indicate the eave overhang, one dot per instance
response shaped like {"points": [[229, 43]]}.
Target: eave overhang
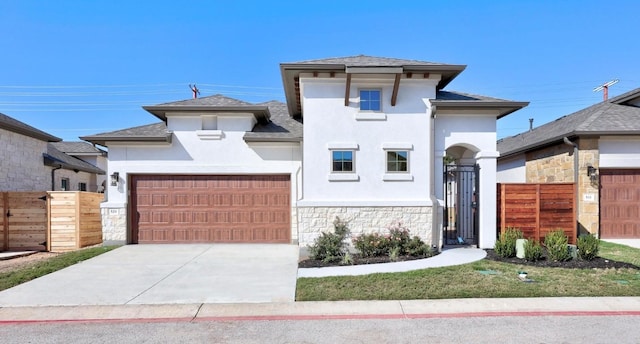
{"points": [[504, 108], [102, 140], [260, 112]]}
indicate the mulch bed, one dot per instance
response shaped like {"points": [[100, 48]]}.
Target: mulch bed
{"points": [[597, 263], [356, 259]]}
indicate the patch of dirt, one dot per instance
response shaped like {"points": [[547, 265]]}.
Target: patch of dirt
{"points": [[18, 263], [356, 260], [597, 263]]}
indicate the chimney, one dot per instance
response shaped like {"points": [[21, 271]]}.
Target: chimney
{"points": [[530, 124], [195, 90]]}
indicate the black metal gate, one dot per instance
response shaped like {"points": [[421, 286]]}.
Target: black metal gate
{"points": [[461, 187]]}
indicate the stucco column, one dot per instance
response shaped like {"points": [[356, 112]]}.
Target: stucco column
{"points": [[487, 207]]}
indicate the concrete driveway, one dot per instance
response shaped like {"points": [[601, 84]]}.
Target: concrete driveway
{"points": [[168, 274]]}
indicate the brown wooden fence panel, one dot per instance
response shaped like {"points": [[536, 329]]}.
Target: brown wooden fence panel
{"points": [[75, 220], [24, 220], [537, 209], [90, 230]]}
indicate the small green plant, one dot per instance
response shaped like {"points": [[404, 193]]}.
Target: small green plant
{"points": [[532, 250], [506, 245], [398, 237], [557, 246], [417, 248], [588, 247], [394, 253], [347, 259], [330, 247]]}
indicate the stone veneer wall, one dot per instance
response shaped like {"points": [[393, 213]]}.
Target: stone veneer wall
{"points": [[315, 220], [589, 196], [114, 225], [555, 165], [22, 167]]}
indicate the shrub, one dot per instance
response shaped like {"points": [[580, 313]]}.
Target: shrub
{"points": [[588, 247], [557, 246], [532, 250], [506, 246], [371, 245], [417, 248], [398, 237], [330, 247], [394, 253]]}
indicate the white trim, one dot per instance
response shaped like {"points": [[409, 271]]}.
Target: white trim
{"points": [[371, 116], [113, 205], [366, 203], [487, 155], [342, 146], [399, 176], [209, 134], [343, 177], [374, 70], [397, 146]]}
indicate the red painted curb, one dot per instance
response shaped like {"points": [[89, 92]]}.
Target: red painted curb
{"points": [[331, 317]]}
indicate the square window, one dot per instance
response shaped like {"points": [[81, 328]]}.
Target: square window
{"points": [[82, 186], [370, 100], [397, 161], [342, 161], [64, 184]]}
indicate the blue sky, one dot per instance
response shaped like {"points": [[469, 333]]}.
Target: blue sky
{"points": [[75, 68]]}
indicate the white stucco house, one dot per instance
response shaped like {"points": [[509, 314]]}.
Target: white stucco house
{"points": [[371, 151]]}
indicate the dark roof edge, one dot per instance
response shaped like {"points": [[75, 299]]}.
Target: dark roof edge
{"points": [[512, 106], [102, 140], [31, 132], [261, 112], [49, 160]]}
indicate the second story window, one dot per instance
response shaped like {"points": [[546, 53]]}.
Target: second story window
{"points": [[342, 161], [370, 100]]}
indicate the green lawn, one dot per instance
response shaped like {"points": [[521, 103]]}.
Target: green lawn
{"points": [[484, 278], [13, 278]]}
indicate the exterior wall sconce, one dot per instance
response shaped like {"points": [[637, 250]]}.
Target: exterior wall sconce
{"points": [[115, 177], [592, 173]]}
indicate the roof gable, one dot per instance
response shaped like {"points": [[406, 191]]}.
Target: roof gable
{"points": [[610, 117], [13, 125], [215, 103], [56, 158]]}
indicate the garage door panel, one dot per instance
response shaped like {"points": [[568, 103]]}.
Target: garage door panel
{"points": [[620, 203], [211, 209]]}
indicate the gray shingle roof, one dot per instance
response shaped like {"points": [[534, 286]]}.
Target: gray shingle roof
{"points": [[459, 100], [156, 132], [79, 147], [214, 100], [611, 117], [281, 128], [12, 124], [212, 103], [54, 157], [368, 61]]}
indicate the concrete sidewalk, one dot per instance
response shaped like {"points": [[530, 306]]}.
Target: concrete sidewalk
{"points": [[563, 306]]}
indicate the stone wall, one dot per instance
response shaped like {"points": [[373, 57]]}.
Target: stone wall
{"points": [[114, 225], [22, 167], [555, 165], [315, 220]]}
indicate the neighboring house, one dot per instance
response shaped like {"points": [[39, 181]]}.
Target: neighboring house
{"points": [[30, 161], [90, 154], [376, 132], [601, 146]]}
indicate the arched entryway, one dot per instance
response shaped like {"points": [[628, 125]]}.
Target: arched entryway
{"points": [[461, 196]]}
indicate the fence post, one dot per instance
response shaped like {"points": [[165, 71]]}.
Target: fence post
{"points": [[538, 211], [5, 221]]}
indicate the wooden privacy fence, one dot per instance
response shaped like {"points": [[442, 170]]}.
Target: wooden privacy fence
{"points": [[55, 221], [537, 209]]}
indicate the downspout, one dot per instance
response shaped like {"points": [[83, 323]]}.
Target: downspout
{"points": [[432, 182], [576, 163], [53, 179]]}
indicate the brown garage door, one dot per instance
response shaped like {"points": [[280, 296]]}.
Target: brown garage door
{"points": [[620, 204], [197, 209]]}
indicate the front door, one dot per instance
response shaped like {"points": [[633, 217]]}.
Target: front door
{"points": [[461, 187]]}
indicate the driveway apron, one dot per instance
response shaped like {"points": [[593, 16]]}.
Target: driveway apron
{"points": [[168, 274]]}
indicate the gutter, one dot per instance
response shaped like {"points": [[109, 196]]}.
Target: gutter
{"points": [[576, 163], [53, 179], [432, 181]]}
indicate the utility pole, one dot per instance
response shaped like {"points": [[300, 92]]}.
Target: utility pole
{"points": [[195, 90], [605, 88]]}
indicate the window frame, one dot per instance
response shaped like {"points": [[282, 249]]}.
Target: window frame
{"points": [[396, 161], [379, 90], [65, 184], [82, 186], [333, 162]]}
